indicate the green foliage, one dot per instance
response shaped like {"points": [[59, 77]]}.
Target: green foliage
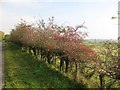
{"points": [[7, 37]]}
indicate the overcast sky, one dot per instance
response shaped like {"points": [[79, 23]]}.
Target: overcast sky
{"points": [[96, 14]]}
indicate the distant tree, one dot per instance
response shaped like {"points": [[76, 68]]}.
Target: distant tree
{"points": [[7, 38], [1, 35]]}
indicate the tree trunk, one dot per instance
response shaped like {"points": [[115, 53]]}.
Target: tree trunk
{"points": [[71, 65], [34, 51], [48, 58], [66, 69], [41, 53], [55, 60], [101, 77], [75, 74], [61, 64]]}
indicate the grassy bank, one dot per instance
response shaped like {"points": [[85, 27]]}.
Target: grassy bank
{"points": [[22, 71]]}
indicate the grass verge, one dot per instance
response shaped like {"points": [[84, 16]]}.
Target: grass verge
{"points": [[22, 71]]}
